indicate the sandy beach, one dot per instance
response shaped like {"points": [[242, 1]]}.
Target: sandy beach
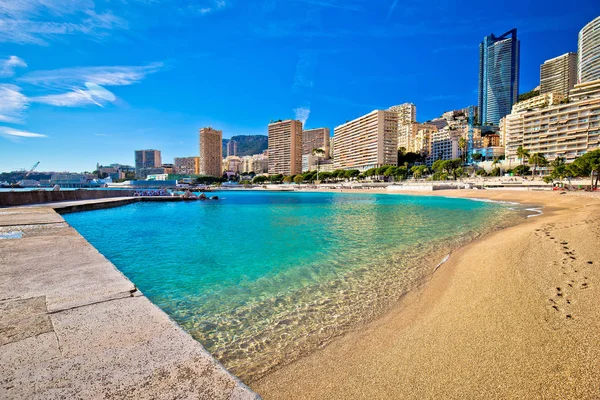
{"points": [[512, 315]]}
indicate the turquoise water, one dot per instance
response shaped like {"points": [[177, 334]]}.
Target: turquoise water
{"points": [[261, 278]]}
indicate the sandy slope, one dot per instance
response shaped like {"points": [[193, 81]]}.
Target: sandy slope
{"points": [[515, 314]]}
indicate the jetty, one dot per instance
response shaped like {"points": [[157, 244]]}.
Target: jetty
{"points": [[73, 326]]}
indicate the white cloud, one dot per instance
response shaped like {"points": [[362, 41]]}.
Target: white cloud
{"points": [[6, 131], [94, 94], [107, 76], [214, 5], [301, 114], [8, 66], [12, 104], [35, 21]]}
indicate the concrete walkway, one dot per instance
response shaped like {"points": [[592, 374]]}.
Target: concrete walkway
{"points": [[73, 327]]}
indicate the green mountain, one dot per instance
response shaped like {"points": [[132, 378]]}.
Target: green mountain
{"points": [[247, 145]]}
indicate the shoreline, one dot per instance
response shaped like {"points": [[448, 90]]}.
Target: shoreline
{"points": [[358, 364]]}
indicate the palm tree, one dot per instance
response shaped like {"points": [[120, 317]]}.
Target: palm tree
{"points": [[318, 153], [495, 163], [462, 145], [522, 153], [537, 159]]}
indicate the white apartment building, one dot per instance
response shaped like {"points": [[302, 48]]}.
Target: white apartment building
{"points": [[565, 130], [367, 142]]}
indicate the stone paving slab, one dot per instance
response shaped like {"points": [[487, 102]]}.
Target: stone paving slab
{"points": [[72, 327]]}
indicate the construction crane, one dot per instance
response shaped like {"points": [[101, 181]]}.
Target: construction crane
{"points": [[27, 174]]}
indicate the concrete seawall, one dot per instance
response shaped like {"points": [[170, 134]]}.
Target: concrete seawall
{"points": [[73, 326], [21, 198]]}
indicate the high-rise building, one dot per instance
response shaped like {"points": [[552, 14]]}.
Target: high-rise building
{"points": [[147, 162], [367, 142], [559, 74], [563, 130], [285, 147], [147, 159], [588, 52], [211, 151], [317, 138], [407, 113], [498, 76], [231, 148]]}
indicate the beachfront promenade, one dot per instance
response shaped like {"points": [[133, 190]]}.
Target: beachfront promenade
{"points": [[72, 326]]}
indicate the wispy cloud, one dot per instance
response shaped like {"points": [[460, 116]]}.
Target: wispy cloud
{"points": [[36, 21], [210, 7], [8, 66], [302, 114], [392, 7], [94, 94], [13, 104], [15, 133], [106, 76], [305, 68]]}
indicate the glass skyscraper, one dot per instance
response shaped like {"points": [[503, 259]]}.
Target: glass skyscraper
{"points": [[498, 76]]}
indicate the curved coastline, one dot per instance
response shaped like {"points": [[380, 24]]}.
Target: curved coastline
{"points": [[477, 328]]}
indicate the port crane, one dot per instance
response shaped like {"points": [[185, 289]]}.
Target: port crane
{"points": [[28, 173]]}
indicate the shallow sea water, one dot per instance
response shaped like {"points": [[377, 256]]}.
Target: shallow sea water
{"points": [[261, 278]]}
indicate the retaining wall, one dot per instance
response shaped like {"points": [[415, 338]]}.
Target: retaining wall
{"points": [[20, 198]]}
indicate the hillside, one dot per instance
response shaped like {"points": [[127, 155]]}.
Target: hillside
{"points": [[247, 145]]}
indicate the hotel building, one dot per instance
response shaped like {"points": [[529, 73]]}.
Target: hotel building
{"points": [[285, 147], [211, 152], [564, 130], [367, 142], [498, 76], [588, 52], [559, 74], [315, 139]]}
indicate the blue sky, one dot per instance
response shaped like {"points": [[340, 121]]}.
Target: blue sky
{"points": [[86, 81]]}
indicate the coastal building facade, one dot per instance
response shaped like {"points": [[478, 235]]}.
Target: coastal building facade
{"points": [[498, 76], [588, 52], [257, 163], [317, 138], [367, 142], [564, 130], [186, 165], [285, 147], [147, 162], [543, 100], [211, 152], [559, 74], [231, 148]]}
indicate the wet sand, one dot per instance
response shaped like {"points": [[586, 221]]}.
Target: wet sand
{"points": [[514, 314]]}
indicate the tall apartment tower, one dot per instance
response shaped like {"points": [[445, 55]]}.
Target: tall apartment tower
{"points": [[559, 74], [211, 152], [317, 138], [588, 52], [147, 159], [407, 113], [285, 147], [231, 148], [367, 142], [498, 76]]}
